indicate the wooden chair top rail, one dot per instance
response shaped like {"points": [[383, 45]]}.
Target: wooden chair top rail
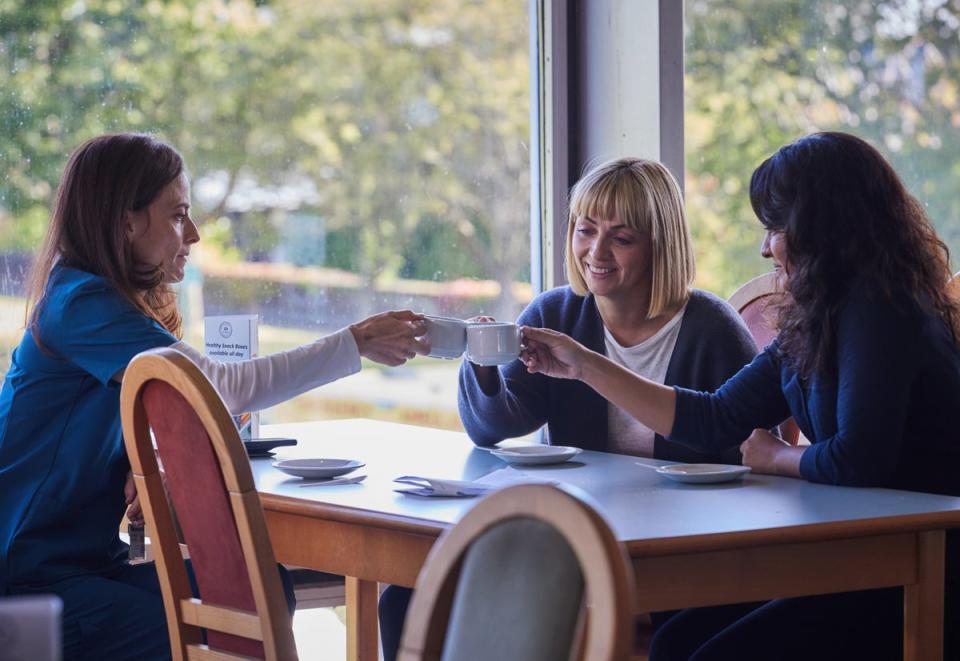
{"points": [[608, 576], [765, 284]]}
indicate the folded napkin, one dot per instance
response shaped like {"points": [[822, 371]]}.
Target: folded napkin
{"points": [[498, 479], [430, 486]]}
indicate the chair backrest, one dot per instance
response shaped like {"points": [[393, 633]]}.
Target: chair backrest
{"points": [[756, 302], [955, 285], [531, 572], [210, 487]]}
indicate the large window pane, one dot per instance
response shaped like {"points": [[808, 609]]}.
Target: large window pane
{"points": [[760, 74], [345, 158]]}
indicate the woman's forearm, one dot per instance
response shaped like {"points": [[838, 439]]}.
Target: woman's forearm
{"points": [[258, 383], [653, 404]]}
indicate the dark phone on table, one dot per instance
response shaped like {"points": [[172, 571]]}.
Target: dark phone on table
{"points": [[263, 446]]}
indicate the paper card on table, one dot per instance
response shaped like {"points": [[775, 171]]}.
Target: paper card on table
{"points": [[429, 486], [498, 479], [507, 477], [230, 338]]}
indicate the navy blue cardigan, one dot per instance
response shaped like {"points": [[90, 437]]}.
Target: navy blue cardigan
{"points": [[713, 343], [889, 419]]}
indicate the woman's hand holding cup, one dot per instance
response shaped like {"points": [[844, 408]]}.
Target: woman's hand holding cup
{"points": [[550, 352], [391, 338]]}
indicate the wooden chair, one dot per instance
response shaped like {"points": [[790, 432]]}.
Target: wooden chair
{"points": [[756, 302], [531, 572], [210, 487], [955, 285]]}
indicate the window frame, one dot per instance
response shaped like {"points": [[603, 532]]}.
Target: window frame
{"points": [[575, 44]]}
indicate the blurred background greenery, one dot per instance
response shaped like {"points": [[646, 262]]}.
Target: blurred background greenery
{"points": [[346, 157], [760, 74]]}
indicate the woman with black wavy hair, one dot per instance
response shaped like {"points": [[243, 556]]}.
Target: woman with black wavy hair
{"points": [[867, 362]]}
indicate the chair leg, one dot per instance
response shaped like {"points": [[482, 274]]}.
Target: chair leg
{"points": [[644, 633]]}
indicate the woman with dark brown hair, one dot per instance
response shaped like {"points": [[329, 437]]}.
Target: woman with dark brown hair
{"points": [[119, 236], [867, 362]]}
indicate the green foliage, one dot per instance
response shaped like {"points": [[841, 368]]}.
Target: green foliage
{"points": [[433, 254], [343, 246], [760, 74], [394, 110], [410, 117], [23, 232]]}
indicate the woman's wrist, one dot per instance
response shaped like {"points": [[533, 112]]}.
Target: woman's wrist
{"points": [[590, 367], [787, 461], [359, 334]]}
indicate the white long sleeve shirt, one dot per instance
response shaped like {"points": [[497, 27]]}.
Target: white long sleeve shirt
{"points": [[262, 382]]}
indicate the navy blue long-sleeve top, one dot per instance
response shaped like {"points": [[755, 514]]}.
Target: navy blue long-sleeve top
{"points": [[889, 418]]}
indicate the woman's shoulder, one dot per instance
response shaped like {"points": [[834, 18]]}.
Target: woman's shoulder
{"points": [[68, 282], [560, 300], [709, 307], [562, 309], [72, 289], [557, 296], [893, 313], [712, 324], [866, 302]]}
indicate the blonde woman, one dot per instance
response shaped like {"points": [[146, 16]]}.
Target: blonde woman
{"points": [[630, 264]]}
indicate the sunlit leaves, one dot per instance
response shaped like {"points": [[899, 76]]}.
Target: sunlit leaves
{"points": [[761, 74], [398, 111]]}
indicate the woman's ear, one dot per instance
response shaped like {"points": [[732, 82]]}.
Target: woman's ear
{"points": [[132, 224]]}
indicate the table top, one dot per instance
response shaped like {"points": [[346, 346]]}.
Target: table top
{"points": [[645, 509]]}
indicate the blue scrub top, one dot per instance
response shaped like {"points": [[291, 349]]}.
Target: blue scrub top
{"points": [[62, 460]]}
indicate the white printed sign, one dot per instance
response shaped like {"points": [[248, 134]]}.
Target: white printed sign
{"points": [[229, 338]]}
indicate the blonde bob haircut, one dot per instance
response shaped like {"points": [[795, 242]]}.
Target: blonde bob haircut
{"points": [[646, 198]]}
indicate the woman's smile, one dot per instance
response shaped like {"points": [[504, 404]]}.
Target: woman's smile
{"points": [[599, 271]]}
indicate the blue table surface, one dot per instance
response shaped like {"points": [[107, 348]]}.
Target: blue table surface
{"points": [[639, 503]]}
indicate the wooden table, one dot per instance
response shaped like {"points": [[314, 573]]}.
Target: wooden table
{"points": [[691, 545]]}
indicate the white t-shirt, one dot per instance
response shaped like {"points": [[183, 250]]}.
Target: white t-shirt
{"points": [[650, 358]]}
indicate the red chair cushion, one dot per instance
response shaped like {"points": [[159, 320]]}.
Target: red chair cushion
{"points": [[199, 496]]}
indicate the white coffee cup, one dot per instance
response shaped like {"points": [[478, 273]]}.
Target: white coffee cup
{"points": [[493, 343], [447, 336]]}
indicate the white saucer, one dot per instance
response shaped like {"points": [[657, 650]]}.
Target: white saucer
{"points": [[536, 454], [314, 468], [703, 473]]}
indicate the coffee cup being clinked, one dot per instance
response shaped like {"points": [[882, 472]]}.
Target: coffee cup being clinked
{"points": [[485, 342], [447, 336], [493, 343]]}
